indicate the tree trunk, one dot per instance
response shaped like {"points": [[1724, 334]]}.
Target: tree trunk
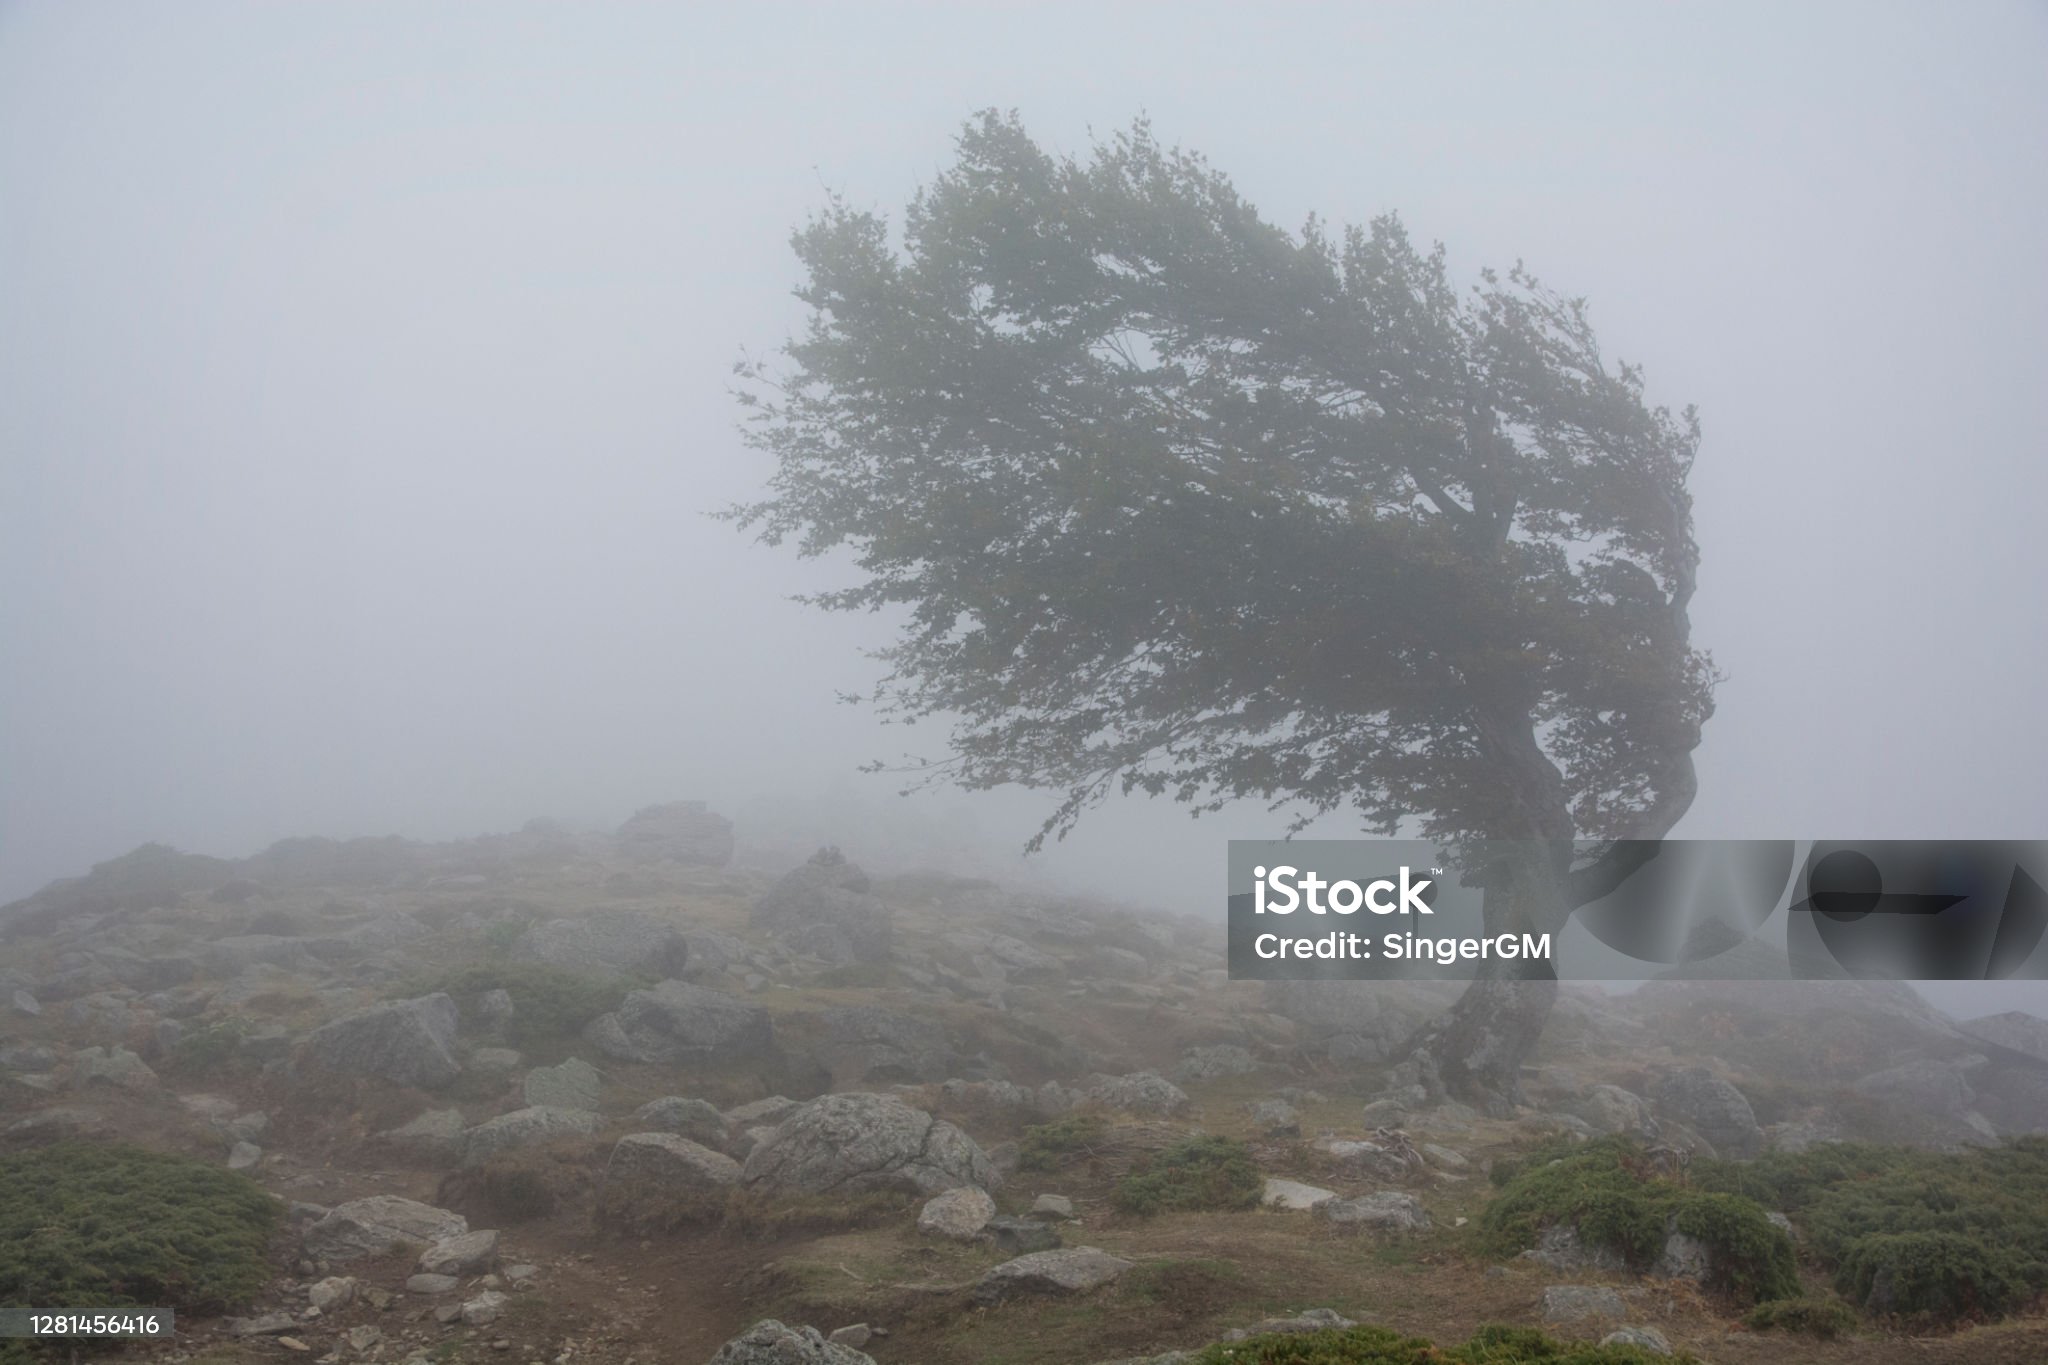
{"points": [[1474, 1051]]}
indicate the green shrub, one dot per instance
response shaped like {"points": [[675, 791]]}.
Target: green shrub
{"points": [[1607, 1192], [548, 1003], [1206, 1172], [1378, 1346], [1049, 1146], [1823, 1318], [1913, 1232], [210, 1051], [90, 1225]]}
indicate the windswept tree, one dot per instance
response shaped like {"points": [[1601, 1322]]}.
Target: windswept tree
{"points": [[1172, 500]]}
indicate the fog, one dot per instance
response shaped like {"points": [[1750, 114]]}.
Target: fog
{"points": [[363, 388]]}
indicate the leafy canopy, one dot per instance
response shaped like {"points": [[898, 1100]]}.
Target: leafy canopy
{"points": [[1176, 501]]}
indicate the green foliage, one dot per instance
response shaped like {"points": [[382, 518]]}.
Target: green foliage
{"points": [[1823, 1318], [1170, 499], [1607, 1192], [1907, 1231], [211, 1050], [1379, 1346], [1049, 1146], [91, 1224], [1206, 1172], [548, 1003]]}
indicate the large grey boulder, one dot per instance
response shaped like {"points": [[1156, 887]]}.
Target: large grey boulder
{"points": [[957, 1214], [464, 1253], [607, 942], [526, 1128], [407, 1042], [373, 1225], [680, 1022], [1711, 1107], [433, 1137], [824, 908], [862, 1044], [1610, 1109], [1070, 1270], [697, 1120], [769, 1342], [1923, 1089], [1217, 1060], [671, 1162], [1141, 1092], [1389, 1211], [679, 831], [855, 1142]]}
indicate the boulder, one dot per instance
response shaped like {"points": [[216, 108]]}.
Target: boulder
{"points": [[1577, 1302], [959, 1214], [680, 831], [1211, 1063], [1711, 1107], [697, 1120], [372, 1226], [1016, 1236], [823, 908], [678, 1022], [1276, 1119], [671, 1162], [1292, 1194], [526, 1128], [1071, 1270], [1610, 1109], [432, 1138], [608, 943], [862, 1044], [857, 1141], [407, 1042], [1642, 1338], [573, 1084], [769, 1342]]}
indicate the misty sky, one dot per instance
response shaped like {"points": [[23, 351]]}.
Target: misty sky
{"points": [[363, 382]]}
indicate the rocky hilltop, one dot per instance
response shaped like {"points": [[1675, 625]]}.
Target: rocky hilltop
{"points": [[575, 1095]]}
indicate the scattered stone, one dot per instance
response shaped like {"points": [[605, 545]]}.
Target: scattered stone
{"points": [[1560, 1247], [1072, 1270], [1141, 1092], [1212, 1063], [485, 1309], [336, 1291], [1388, 1211], [1292, 1194], [434, 1137], [1577, 1302], [25, 1003], [293, 1344], [854, 1336], [374, 1225], [1313, 1320], [1711, 1107], [959, 1214], [496, 1061], [761, 1113], [115, 1066], [824, 908], [1052, 1206], [697, 1120], [608, 942], [263, 1325], [424, 1283], [243, 1155], [769, 1342], [1276, 1119], [680, 1022], [365, 1336], [1444, 1158]]}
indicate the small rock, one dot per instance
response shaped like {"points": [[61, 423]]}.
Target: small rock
{"points": [[959, 1214], [1052, 1206], [1387, 1211], [1647, 1338], [465, 1253], [1576, 1302], [855, 1336], [293, 1344], [336, 1291], [364, 1337], [1020, 1235], [244, 1155], [485, 1309], [1073, 1270], [1292, 1194], [424, 1283]]}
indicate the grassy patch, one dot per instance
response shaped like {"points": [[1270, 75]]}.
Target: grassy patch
{"points": [[1815, 1317], [1185, 1287], [1610, 1195], [1196, 1173], [1051, 1146]]}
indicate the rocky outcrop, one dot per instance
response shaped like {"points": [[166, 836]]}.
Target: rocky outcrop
{"points": [[680, 1022], [1070, 1270], [1141, 1092], [680, 831], [856, 1142], [824, 908], [673, 1163], [407, 1042]]}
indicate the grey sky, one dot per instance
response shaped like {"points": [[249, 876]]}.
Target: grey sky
{"points": [[362, 380]]}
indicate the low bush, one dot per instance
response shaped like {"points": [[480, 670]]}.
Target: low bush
{"points": [[212, 1050], [107, 1225], [1207, 1172], [1937, 1236], [1610, 1194], [1050, 1146], [1378, 1346]]}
